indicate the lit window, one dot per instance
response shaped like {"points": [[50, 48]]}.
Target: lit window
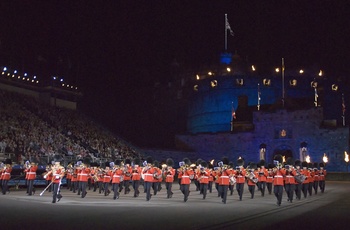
{"points": [[334, 87], [293, 82], [195, 88], [214, 83], [239, 81], [314, 84], [267, 82]]}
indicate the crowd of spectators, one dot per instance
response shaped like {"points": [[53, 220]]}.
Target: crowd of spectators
{"points": [[34, 131]]}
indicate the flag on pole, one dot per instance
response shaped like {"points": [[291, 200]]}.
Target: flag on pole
{"points": [[228, 27]]}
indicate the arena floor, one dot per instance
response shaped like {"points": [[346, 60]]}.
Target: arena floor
{"points": [[329, 210]]}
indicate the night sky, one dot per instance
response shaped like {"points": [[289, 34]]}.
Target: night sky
{"points": [[114, 51]]}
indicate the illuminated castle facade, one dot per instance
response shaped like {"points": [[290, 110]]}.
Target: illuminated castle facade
{"points": [[235, 112]]}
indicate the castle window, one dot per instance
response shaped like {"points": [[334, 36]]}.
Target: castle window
{"points": [[293, 82], [195, 88], [267, 82], [213, 83], [335, 87], [239, 81], [314, 84]]}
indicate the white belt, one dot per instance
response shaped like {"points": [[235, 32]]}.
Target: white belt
{"points": [[289, 176], [278, 176], [116, 176], [223, 176], [169, 176], [147, 174], [7, 173], [185, 176], [31, 172], [83, 174], [239, 176]]}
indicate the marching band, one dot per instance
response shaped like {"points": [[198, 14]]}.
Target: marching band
{"points": [[291, 177]]}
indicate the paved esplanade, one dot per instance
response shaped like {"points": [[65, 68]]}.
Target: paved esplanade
{"points": [[329, 210]]}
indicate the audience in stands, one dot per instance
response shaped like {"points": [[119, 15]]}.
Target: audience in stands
{"points": [[38, 132]]}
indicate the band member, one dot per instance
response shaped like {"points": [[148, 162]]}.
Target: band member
{"points": [[232, 178], [187, 174], [240, 177], [224, 179], [203, 175], [57, 175], [169, 173], [322, 177], [195, 179], [252, 179], [26, 167], [269, 178], [311, 178], [84, 177], [148, 172], [136, 176], [211, 178], [316, 177], [215, 174], [278, 174], [69, 175], [289, 182], [31, 176], [74, 179], [298, 183], [117, 175], [6, 175], [262, 177], [79, 169], [157, 176], [306, 173], [127, 177], [107, 176]]}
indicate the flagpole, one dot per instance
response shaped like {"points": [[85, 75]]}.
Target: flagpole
{"points": [[343, 109], [283, 92], [225, 32], [258, 97]]}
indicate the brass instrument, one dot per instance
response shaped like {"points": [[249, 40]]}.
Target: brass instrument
{"points": [[251, 176], [299, 178]]}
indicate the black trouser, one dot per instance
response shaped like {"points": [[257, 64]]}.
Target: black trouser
{"points": [[106, 184], [251, 189], [217, 188], [83, 185], [100, 186], [196, 182], [278, 191], [69, 184], [168, 186], [210, 186], [311, 185], [147, 185], [231, 188], [290, 188], [304, 188], [135, 186], [155, 187], [240, 190], [115, 187], [223, 192], [4, 186], [322, 185], [269, 187], [30, 187], [75, 186], [185, 189], [126, 185], [315, 186], [262, 187], [298, 191], [203, 188], [56, 193], [79, 187]]}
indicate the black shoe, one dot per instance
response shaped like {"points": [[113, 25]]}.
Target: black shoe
{"points": [[53, 201], [185, 199]]}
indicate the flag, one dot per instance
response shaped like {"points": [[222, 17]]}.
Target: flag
{"points": [[228, 27], [233, 113]]}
